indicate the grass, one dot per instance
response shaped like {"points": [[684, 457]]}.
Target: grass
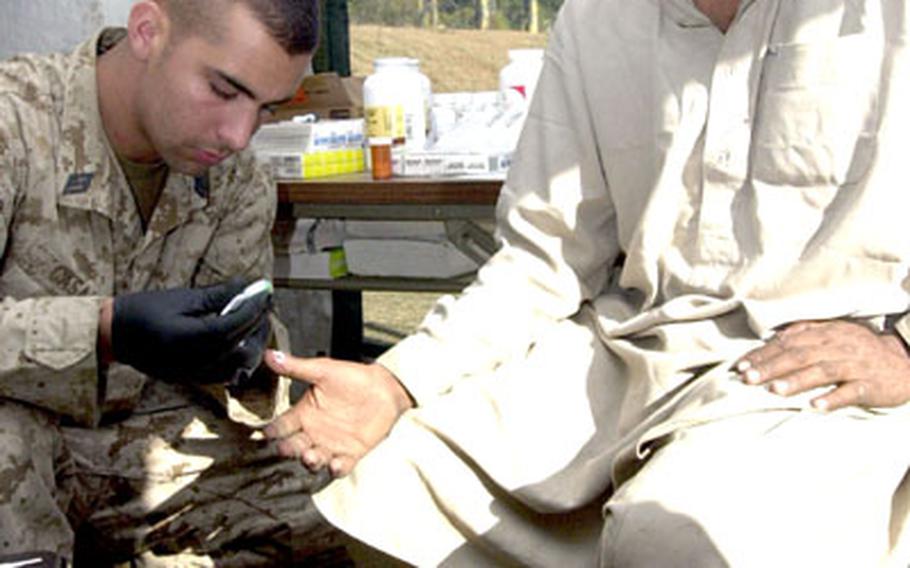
{"points": [[389, 316]]}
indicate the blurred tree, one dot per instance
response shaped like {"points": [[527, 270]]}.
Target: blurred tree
{"points": [[533, 16], [459, 13], [430, 13], [548, 11], [528, 15], [483, 14], [387, 12]]}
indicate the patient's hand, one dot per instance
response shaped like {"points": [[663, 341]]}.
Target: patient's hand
{"points": [[864, 368], [348, 409]]}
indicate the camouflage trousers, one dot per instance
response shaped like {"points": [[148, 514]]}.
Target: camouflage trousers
{"points": [[174, 484]]}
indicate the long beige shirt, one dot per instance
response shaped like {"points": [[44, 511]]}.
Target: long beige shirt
{"points": [[71, 235], [759, 171], [686, 190]]}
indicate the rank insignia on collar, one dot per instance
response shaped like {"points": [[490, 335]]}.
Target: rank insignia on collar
{"points": [[201, 186], [78, 183]]}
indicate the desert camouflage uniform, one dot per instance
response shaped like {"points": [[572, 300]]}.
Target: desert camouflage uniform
{"points": [[152, 467]]}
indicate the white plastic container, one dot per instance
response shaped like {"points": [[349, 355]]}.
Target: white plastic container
{"points": [[518, 79], [393, 100], [426, 89]]}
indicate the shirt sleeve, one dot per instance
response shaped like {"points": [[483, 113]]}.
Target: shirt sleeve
{"points": [[47, 345], [902, 327], [556, 230]]}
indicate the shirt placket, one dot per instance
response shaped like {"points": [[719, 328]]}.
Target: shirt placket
{"points": [[725, 162], [728, 136]]}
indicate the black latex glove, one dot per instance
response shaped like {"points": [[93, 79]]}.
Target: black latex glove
{"points": [[178, 334], [241, 363]]}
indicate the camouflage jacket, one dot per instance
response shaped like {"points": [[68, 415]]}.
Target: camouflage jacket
{"points": [[70, 235]]}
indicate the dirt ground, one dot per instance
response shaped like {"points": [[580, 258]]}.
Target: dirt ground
{"points": [[390, 316]]}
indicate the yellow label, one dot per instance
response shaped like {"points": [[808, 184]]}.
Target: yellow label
{"points": [[338, 264], [332, 162], [385, 121]]}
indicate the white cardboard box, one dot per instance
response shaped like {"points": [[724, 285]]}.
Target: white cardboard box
{"points": [[302, 137], [441, 164]]}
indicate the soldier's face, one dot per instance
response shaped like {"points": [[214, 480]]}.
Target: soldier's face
{"points": [[203, 99]]}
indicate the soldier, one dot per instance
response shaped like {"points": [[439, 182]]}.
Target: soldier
{"points": [[126, 208]]}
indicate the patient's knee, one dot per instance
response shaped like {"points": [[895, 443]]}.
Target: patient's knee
{"points": [[645, 534]]}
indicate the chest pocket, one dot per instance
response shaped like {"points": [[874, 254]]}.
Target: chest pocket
{"points": [[179, 255], [817, 114], [54, 251]]}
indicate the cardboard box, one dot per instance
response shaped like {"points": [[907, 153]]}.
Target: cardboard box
{"points": [[327, 96], [299, 136], [441, 164], [292, 165]]}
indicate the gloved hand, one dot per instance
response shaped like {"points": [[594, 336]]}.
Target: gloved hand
{"points": [[178, 334], [241, 363]]}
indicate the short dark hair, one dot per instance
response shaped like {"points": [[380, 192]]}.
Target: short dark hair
{"points": [[294, 24]]}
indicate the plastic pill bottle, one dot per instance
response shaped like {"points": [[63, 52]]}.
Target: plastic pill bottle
{"points": [[518, 79], [393, 100], [381, 157]]}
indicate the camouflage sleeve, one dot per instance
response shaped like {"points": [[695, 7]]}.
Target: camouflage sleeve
{"points": [[47, 351], [242, 245]]}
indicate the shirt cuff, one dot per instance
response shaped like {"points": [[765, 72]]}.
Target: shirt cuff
{"points": [[418, 364], [902, 327]]}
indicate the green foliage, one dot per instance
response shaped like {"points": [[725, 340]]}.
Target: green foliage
{"points": [[454, 16], [506, 14], [385, 12], [499, 21], [515, 12]]}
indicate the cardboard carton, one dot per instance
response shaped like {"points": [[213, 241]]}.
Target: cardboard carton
{"points": [[433, 163], [327, 96], [290, 165]]}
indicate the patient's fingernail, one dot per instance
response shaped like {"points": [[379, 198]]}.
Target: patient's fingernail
{"points": [[779, 387], [743, 366], [279, 357], [752, 376]]}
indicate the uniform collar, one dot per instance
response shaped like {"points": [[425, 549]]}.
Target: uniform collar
{"points": [[88, 165]]}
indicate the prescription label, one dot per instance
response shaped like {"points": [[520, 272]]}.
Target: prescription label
{"points": [[385, 121]]}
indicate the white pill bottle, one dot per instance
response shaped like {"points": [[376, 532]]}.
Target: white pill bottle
{"points": [[518, 79], [394, 107], [426, 88]]}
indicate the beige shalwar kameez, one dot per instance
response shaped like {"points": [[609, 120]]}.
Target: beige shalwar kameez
{"points": [[677, 194]]}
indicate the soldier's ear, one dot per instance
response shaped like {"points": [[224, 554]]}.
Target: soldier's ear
{"points": [[147, 29]]}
